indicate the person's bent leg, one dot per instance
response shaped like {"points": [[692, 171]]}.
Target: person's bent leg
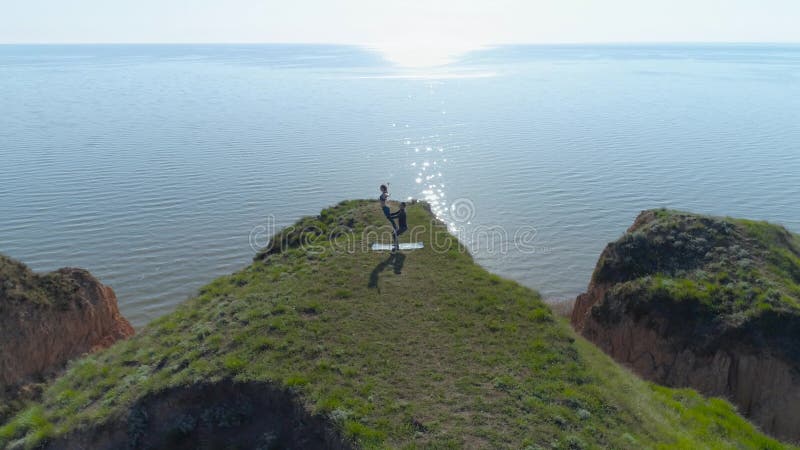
{"points": [[386, 212], [397, 234]]}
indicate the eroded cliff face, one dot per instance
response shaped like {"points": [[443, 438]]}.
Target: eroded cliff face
{"points": [[745, 352], [764, 385], [223, 414], [46, 320]]}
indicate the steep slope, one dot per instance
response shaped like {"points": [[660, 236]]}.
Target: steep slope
{"points": [[705, 302], [46, 320], [322, 343]]}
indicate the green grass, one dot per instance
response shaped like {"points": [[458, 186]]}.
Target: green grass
{"points": [[422, 350], [737, 270], [18, 284]]}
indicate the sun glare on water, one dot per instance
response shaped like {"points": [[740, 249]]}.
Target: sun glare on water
{"points": [[429, 144], [416, 55]]}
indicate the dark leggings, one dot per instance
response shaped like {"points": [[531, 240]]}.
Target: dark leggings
{"points": [[386, 212]]}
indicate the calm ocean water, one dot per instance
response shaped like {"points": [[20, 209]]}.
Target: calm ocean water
{"points": [[151, 165]]}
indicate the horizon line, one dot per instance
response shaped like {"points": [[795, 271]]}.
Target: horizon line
{"points": [[379, 44]]}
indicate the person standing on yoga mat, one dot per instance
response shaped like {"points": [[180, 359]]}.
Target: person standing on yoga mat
{"points": [[386, 211], [400, 215]]}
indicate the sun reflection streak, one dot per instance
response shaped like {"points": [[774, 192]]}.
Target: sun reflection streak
{"points": [[430, 60], [427, 145], [411, 54], [430, 170]]}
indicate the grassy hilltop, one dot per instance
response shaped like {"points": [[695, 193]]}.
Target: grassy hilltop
{"points": [[423, 349], [734, 274]]}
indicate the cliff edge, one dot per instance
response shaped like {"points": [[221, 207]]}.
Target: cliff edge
{"points": [[324, 343], [46, 320], [710, 303]]}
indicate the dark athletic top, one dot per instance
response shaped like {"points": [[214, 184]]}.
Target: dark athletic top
{"points": [[401, 217]]}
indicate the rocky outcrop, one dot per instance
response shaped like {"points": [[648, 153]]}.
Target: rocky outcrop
{"points": [[46, 320], [708, 303]]}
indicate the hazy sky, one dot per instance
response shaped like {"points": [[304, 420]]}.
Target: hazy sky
{"points": [[382, 21], [399, 24]]}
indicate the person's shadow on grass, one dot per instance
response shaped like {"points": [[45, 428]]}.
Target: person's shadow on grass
{"points": [[396, 260]]}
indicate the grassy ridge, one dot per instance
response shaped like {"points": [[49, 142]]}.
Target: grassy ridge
{"points": [[735, 272], [423, 349]]}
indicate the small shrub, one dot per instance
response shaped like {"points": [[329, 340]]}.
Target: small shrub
{"points": [[296, 381], [343, 293], [541, 315], [339, 415], [575, 443], [310, 308], [361, 432], [234, 364]]}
